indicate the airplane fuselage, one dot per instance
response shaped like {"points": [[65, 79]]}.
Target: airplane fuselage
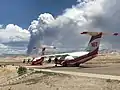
{"points": [[68, 59], [75, 58]]}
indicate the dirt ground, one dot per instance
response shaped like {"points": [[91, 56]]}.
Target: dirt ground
{"points": [[48, 81]]}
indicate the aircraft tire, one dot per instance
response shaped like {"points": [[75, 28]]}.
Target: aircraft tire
{"points": [[64, 64], [77, 64]]}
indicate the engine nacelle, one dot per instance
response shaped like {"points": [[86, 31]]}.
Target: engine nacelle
{"points": [[69, 58]]}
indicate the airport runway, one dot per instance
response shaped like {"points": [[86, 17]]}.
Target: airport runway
{"points": [[107, 69]]}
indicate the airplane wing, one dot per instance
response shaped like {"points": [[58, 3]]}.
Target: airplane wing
{"points": [[55, 55], [74, 54]]}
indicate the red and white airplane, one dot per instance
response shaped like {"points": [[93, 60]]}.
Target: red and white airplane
{"points": [[76, 58]]}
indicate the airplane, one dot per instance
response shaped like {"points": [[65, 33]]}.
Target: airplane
{"points": [[76, 58]]}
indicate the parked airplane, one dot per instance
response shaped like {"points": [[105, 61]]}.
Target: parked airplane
{"points": [[76, 58]]}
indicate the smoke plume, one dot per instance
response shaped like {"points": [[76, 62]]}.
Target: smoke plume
{"points": [[64, 30]]}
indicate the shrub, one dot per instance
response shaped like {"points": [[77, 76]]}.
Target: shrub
{"points": [[22, 70]]}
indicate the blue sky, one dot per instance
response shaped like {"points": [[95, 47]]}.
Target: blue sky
{"points": [[22, 12], [103, 14]]}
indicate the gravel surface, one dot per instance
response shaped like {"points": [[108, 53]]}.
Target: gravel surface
{"points": [[43, 81]]}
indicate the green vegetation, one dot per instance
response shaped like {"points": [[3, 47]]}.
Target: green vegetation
{"points": [[22, 70], [108, 80], [31, 69]]}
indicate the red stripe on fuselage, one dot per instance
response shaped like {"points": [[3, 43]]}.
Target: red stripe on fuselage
{"points": [[83, 58], [38, 61]]}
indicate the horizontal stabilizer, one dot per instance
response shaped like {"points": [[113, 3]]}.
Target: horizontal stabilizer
{"points": [[91, 33], [96, 33]]}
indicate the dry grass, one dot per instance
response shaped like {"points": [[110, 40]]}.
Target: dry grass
{"points": [[40, 81]]}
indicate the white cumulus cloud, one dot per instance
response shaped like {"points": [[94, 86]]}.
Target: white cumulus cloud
{"points": [[13, 33], [64, 30], [12, 37]]}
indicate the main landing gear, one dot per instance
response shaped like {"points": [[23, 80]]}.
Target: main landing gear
{"points": [[64, 64], [77, 64]]}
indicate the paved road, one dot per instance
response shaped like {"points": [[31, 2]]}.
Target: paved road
{"points": [[108, 69], [91, 75]]}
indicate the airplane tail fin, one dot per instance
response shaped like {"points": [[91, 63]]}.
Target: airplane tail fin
{"points": [[94, 43], [43, 51], [44, 47]]}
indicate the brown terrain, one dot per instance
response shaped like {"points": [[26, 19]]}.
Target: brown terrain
{"points": [[103, 64]]}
